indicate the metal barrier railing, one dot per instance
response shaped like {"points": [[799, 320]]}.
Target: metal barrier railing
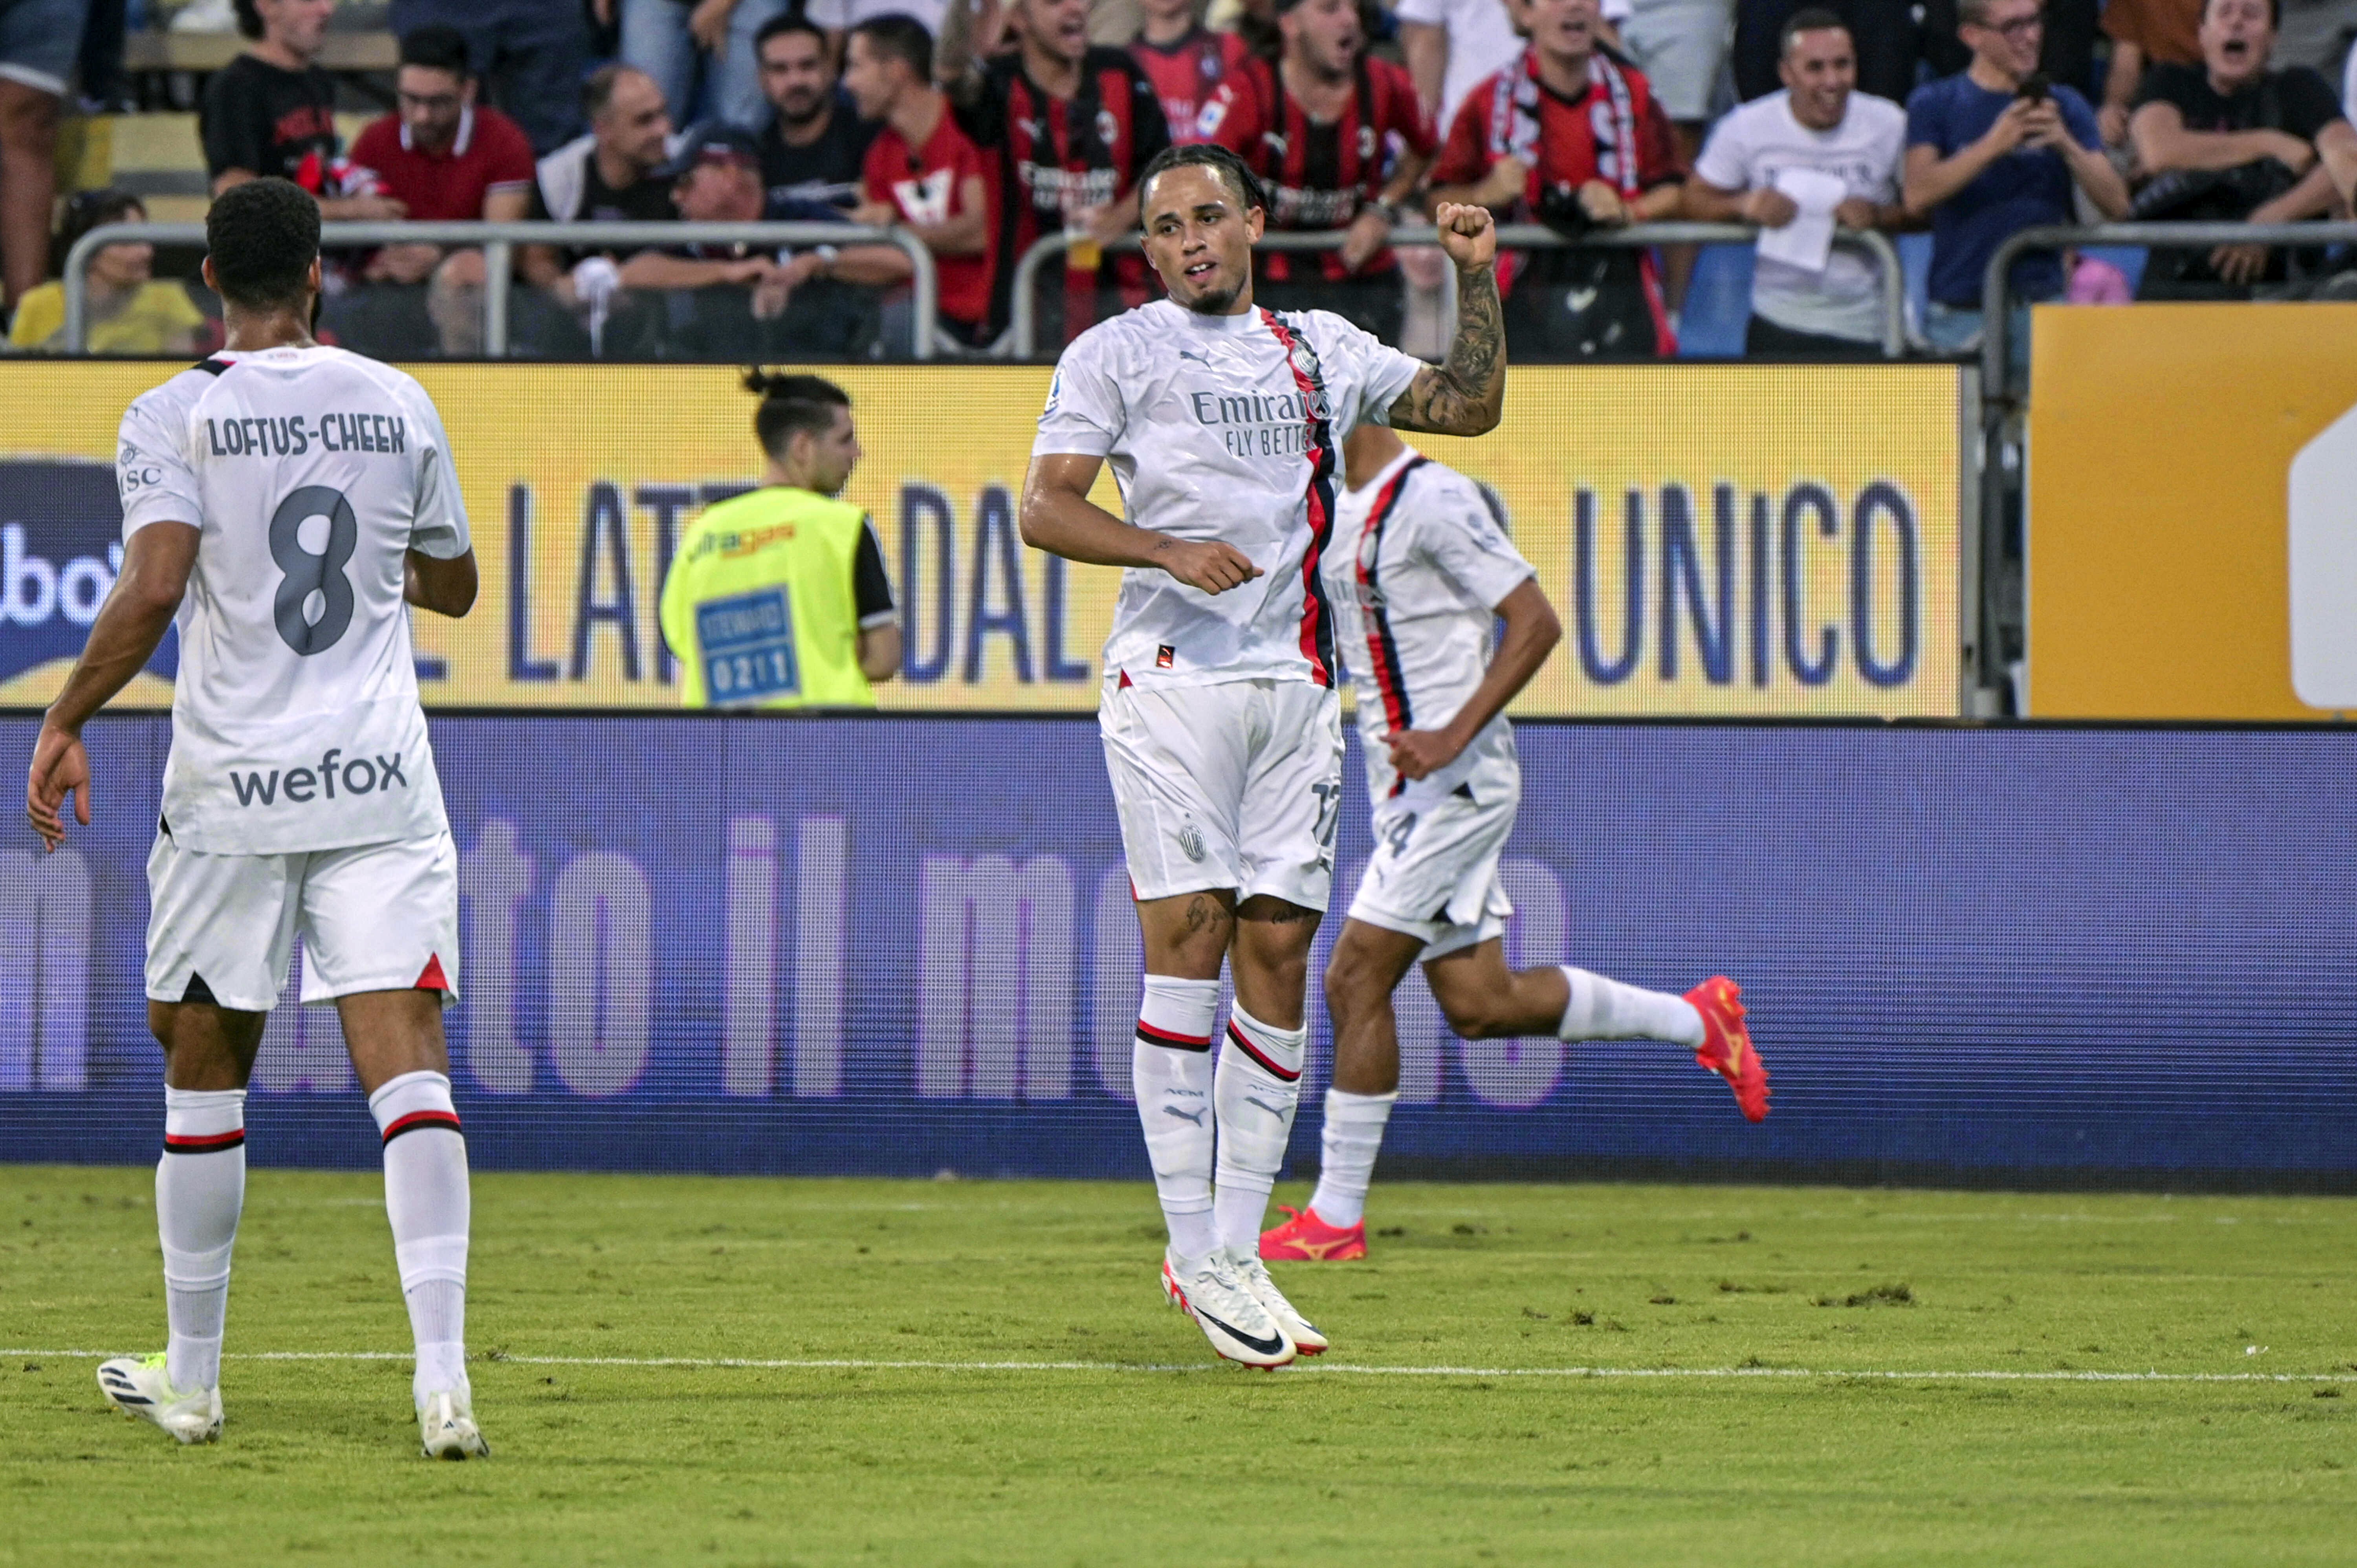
{"points": [[1999, 403], [1023, 336], [497, 243], [1997, 301]]}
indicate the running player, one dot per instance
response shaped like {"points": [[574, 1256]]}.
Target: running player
{"points": [[1223, 730], [281, 501], [1418, 572]]}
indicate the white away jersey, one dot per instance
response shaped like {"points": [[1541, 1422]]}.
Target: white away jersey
{"points": [[1226, 429], [1417, 567], [311, 473]]}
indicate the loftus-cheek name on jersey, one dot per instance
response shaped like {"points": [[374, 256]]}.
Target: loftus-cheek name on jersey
{"points": [[1254, 425], [293, 437], [301, 786]]}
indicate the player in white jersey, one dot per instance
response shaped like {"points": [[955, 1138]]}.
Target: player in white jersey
{"points": [[1223, 730], [283, 503], [1420, 573]]}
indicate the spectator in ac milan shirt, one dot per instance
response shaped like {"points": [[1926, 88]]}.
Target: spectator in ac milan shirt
{"points": [[1340, 141], [1072, 126], [446, 158], [272, 111], [1571, 135], [922, 173], [1186, 62], [815, 144]]}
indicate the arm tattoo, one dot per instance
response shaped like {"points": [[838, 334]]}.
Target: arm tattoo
{"points": [[1465, 396]]}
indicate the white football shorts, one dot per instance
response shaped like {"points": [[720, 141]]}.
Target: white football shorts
{"points": [[1434, 875], [380, 917], [1234, 785]]}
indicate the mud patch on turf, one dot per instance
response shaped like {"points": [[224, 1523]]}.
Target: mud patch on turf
{"points": [[1897, 1294]]}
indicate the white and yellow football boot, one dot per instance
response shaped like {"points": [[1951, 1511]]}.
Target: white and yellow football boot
{"points": [[137, 1387]]}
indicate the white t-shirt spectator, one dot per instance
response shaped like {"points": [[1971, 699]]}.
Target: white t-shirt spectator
{"points": [[839, 16], [1754, 141], [1481, 42]]}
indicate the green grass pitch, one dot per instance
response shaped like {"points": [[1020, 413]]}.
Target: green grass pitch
{"points": [[1826, 1425]]}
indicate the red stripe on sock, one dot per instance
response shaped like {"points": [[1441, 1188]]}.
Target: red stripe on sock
{"points": [[418, 1121], [202, 1143], [1147, 1031], [1236, 1036]]}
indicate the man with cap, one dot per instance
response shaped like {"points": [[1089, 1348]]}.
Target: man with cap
{"points": [[745, 296]]}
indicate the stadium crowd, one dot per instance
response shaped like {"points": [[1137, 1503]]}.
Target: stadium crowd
{"points": [[981, 126]]}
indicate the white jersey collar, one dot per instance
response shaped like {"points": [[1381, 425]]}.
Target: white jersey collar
{"points": [[1242, 324]]}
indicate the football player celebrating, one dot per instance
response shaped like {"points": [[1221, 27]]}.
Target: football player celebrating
{"points": [[286, 503], [1418, 572], [1221, 726]]}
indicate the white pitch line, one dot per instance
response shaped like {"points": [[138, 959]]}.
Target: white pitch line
{"points": [[1829, 1374]]}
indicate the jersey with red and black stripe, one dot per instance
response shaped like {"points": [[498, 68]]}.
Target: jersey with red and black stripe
{"points": [[1223, 429], [1319, 175], [1417, 565], [1185, 73], [1057, 156]]}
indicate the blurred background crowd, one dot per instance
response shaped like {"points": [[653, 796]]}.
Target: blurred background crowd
{"points": [[989, 130]]}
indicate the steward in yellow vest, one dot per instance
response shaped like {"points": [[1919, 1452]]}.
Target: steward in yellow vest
{"points": [[778, 598]]}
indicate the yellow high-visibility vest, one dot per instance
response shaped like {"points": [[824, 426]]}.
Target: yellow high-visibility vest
{"points": [[758, 605]]}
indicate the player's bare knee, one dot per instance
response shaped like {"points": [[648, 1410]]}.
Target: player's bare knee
{"points": [[1352, 981], [1197, 940], [205, 1046], [1273, 940]]}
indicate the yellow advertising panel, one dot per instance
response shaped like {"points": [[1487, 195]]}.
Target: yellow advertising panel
{"points": [[1728, 539], [2161, 446]]}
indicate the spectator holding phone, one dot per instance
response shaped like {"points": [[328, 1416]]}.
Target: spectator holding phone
{"points": [[1993, 150]]}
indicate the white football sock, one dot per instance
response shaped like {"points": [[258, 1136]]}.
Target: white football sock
{"points": [[1170, 1071], [1603, 1009], [426, 1198], [1354, 1130], [200, 1191], [1257, 1089]]}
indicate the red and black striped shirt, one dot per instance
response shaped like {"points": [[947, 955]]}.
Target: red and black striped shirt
{"points": [[1057, 156], [1319, 174], [1185, 73]]}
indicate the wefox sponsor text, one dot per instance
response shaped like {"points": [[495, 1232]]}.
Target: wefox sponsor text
{"points": [[301, 786]]}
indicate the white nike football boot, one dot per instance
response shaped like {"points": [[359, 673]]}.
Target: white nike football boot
{"points": [[1252, 1274], [1239, 1328], [448, 1424], [137, 1386]]}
